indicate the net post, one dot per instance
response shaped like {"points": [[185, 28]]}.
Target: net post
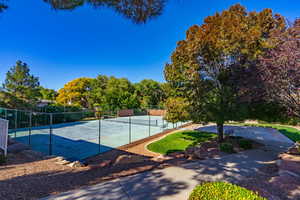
{"points": [[30, 126], [16, 122], [149, 125], [99, 134], [129, 129], [50, 134]]}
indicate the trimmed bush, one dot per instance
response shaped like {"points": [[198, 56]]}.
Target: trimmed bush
{"points": [[226, 147], [245, 144], [224, 191]]}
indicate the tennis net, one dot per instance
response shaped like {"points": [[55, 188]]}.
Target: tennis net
{"points": [[128, 120]]}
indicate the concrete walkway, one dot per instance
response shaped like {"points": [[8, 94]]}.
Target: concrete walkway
{"points": [[177, 182]]}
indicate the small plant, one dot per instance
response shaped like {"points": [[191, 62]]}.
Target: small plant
{"points": [[245, 144], [226, 147], [224, 191]]}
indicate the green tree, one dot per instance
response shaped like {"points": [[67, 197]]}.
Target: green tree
{"points": [[21, 84], [149, 93], [177, 109], [98, 87], [206, 67], [48, 94], [119, 94], [8, 100]]}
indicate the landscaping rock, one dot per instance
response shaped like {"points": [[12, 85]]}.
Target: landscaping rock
{"points": [[63, 162], [17, 147], [293, 150], [190, 150], [127, 159], [76, 164], [176, 155], [59, 158], [103, 164], [198, 154]]}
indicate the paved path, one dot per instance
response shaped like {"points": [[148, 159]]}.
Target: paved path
{"points": [[177, 182]]}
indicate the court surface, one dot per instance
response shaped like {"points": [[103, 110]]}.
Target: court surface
{"points": [[79, 140]]}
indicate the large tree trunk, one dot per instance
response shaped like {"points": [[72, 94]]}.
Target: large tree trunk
{"points": [[220, 128]]}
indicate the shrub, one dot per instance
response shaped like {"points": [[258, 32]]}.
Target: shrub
{"points": [[226, 147], [245, 144], [224, 191]]}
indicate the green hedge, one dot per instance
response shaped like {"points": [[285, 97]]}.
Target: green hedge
{"points": [[222, 191]]}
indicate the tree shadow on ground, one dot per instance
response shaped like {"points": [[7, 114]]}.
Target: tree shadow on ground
{"points": [[37, 185]]}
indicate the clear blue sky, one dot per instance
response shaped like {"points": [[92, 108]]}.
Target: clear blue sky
{"points": [[62, 45]]}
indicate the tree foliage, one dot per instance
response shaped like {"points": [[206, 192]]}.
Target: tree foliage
{"points": [[206, 67], [177, 108], [110, 93], [139, 11], [20, 83], [48, 94], [75, 92], [119, 94], [280, 69], [149, 93]]}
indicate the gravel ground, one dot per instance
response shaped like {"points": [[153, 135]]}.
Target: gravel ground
{"points": [[26, 177]]}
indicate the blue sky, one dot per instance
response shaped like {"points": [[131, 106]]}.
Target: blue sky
{"points": [[62, 45]]}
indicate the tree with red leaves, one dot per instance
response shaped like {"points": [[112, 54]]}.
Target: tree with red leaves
{"points": [[280, 69]]}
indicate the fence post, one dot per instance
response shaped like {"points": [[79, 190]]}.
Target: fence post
{"points": [[50, 134], [16, 122], [30, 126], [163, 123], [129, 129], [99, 135], [5, 111], [149, 125]]}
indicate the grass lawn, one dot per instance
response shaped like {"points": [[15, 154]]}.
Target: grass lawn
{"points": [[290, 132], [179, 141]]}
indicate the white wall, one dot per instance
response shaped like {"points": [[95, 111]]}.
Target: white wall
{"points": [[3, 135]]}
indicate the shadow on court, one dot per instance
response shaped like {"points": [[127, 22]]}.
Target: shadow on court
{"points": [[71, 149]]}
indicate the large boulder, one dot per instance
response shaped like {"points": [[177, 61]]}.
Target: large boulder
{"points": [[76, 164]]}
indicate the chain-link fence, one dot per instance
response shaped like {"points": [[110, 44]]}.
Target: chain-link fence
{"points": [[78, 135]]}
